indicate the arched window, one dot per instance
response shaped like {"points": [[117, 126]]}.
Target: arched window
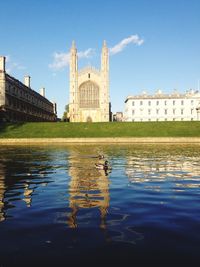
{"points": [[89, 95]]}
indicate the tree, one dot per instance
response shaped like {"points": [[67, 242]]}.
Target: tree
{"points": [[65, 116]]}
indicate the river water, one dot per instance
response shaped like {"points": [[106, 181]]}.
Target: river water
{"points": [[57, 209]]}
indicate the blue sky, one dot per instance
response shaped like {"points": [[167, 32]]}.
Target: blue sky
{"points": [[161, 43]]}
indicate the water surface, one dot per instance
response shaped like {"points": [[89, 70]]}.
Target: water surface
{"points": [[56, 208]]}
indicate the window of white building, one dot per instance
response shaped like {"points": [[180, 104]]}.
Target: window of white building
{"points": [[174, 102], [165, 111], [149, 103], [181, 111], [182, 102], [165, 102], [157, 103], [149, 112], [133, 103], [133, 112], [141, 103]]}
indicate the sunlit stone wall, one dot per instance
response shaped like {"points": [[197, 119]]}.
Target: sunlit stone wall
{"points": [[89, 90], [18, 102]]}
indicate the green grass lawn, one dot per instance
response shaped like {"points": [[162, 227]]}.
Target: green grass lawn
{"points": [[104, 129]]}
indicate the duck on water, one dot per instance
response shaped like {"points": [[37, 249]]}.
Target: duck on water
{"points": [[103, 166]]}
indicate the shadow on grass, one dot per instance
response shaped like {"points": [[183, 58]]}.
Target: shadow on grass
{"points": [[5, 127]]}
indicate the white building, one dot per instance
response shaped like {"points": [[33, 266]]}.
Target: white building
{"points": [[163, 107]]}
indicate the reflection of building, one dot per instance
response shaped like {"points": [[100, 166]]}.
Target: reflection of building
{"points": [[17, 178], [18, 102], [28, 195], [2, 191], [145, 170], [89, 90], [163, 107], [88, 188]]}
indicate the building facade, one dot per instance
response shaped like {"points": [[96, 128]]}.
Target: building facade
{"points": [[89, 90], [118, 116], [18, 102], [163, 107]]}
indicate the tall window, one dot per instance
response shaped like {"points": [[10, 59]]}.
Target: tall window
{"points": [[141, 103], [149, 103], [157, 103], [174, 102], [133, 103], [89, 95]]}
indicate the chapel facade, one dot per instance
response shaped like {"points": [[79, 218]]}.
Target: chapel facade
{"points": [[89, 99]]}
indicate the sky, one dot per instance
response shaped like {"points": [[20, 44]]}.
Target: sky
{"points": [[153, 44]]}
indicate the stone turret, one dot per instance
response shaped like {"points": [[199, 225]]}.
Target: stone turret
{"points": [[2, 81], [73, 97], [105, 82]]}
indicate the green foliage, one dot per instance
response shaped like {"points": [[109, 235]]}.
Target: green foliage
{"points": [[65, 116], [104, 129]]}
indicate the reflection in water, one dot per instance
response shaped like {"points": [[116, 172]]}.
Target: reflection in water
{"points": [[149, 203], [28, 195], [88, 188], [158, 169], [2, 191], [20, 175]]}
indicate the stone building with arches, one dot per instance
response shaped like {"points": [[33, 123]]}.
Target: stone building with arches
{"points": [[89, 90]]}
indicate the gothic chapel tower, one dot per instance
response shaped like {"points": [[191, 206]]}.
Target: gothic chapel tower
{"points": [[89, 90]]}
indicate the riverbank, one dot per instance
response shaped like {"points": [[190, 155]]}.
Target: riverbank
{"points": [[147, 140], [106, 130]]}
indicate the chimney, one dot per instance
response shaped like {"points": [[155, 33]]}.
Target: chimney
{"points": [[42, 91], [55, 108], [2, 64], [27, 81]]}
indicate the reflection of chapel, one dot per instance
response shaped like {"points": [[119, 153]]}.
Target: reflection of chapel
{"points": [[89, 90]]}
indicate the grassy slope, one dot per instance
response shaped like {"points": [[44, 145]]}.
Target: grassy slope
{"points": [[126, 129]]}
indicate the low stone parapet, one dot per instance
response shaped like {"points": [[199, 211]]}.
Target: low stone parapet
{"points": [[106, 140]]}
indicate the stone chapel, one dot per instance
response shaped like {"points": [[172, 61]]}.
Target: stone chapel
{"points": [[89, 99]]}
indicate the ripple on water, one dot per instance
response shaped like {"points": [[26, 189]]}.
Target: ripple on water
{"points": [[54, 202]]}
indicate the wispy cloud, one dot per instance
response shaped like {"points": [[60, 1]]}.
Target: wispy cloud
{"points": [[61, 60], [12, 66], [133, 39]]}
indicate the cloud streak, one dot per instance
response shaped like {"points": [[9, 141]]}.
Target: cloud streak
{"points": [[133, 39], [61, 60]]}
